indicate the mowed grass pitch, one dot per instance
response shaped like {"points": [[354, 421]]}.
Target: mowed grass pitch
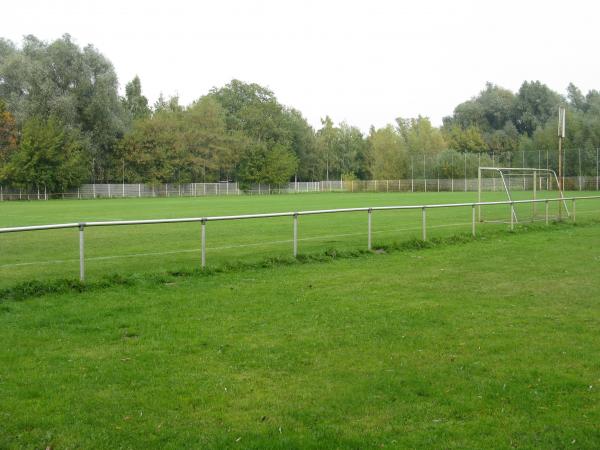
{"points": [[489, 344], [158, 248]]}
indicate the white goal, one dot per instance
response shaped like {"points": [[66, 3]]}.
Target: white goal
{"points": [[519, 183]]}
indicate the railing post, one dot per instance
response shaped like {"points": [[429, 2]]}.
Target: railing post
{"points": [[81, 253], [295, 235], [573, 208], [473, 215], [369, 230], [547, 205], [203, 244], [424, 223], [512, 216], [560, 210]]}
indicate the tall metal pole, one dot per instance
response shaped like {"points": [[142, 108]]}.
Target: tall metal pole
{"points": [[479, 193], [123, 177], [534, 195], [561, 133]]}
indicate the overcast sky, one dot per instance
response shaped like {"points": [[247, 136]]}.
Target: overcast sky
{"points": [[365, 62]]}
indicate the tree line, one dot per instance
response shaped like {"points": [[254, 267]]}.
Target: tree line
{"points": [[63, 122]]}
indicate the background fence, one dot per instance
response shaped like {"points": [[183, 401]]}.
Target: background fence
{"points": [[139, 190], [425, 172]]}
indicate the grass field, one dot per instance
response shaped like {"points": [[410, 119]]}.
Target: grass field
{"points": [[134, 249], [491, 343]]}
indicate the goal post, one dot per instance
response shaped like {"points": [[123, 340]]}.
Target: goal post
{"points": [[526, 183]]}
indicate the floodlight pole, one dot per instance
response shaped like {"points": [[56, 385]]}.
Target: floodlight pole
{"points": [[479, 192], [561, 135], [534, 195]]}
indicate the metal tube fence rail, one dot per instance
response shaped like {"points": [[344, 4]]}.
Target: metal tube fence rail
{"points": [[295, 215]]}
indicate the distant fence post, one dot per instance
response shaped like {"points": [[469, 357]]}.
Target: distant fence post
{"points": [[81, 253], [1, 194]]}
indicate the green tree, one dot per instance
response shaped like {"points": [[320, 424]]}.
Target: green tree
{"points": [[468, 139], [134, 101], [351, 151], [269, 165], [420, 136], [490, 110], [210, 151], [61, 80], [267, 129], [50, 154], [8, 135], [535, 104], [327, 138], [389, 154], [181, 145], [576, 98], [303, 144]]}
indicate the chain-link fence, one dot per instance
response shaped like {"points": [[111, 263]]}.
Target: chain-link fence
{"points": [[426, 172]]}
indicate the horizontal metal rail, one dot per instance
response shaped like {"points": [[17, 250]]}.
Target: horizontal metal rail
{"points": [[204, 220], [280, 214]]}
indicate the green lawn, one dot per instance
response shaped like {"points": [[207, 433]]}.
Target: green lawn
{"points": [[492, 343], [133, 249]]}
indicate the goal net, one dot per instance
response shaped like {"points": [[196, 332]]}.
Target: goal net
{"points": [[518, 183]]}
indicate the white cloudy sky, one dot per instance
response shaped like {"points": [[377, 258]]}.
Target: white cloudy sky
{"points": [[365, 62]]}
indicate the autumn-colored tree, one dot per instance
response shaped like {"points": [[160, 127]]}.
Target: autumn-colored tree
{"points": [[8, 134]]}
